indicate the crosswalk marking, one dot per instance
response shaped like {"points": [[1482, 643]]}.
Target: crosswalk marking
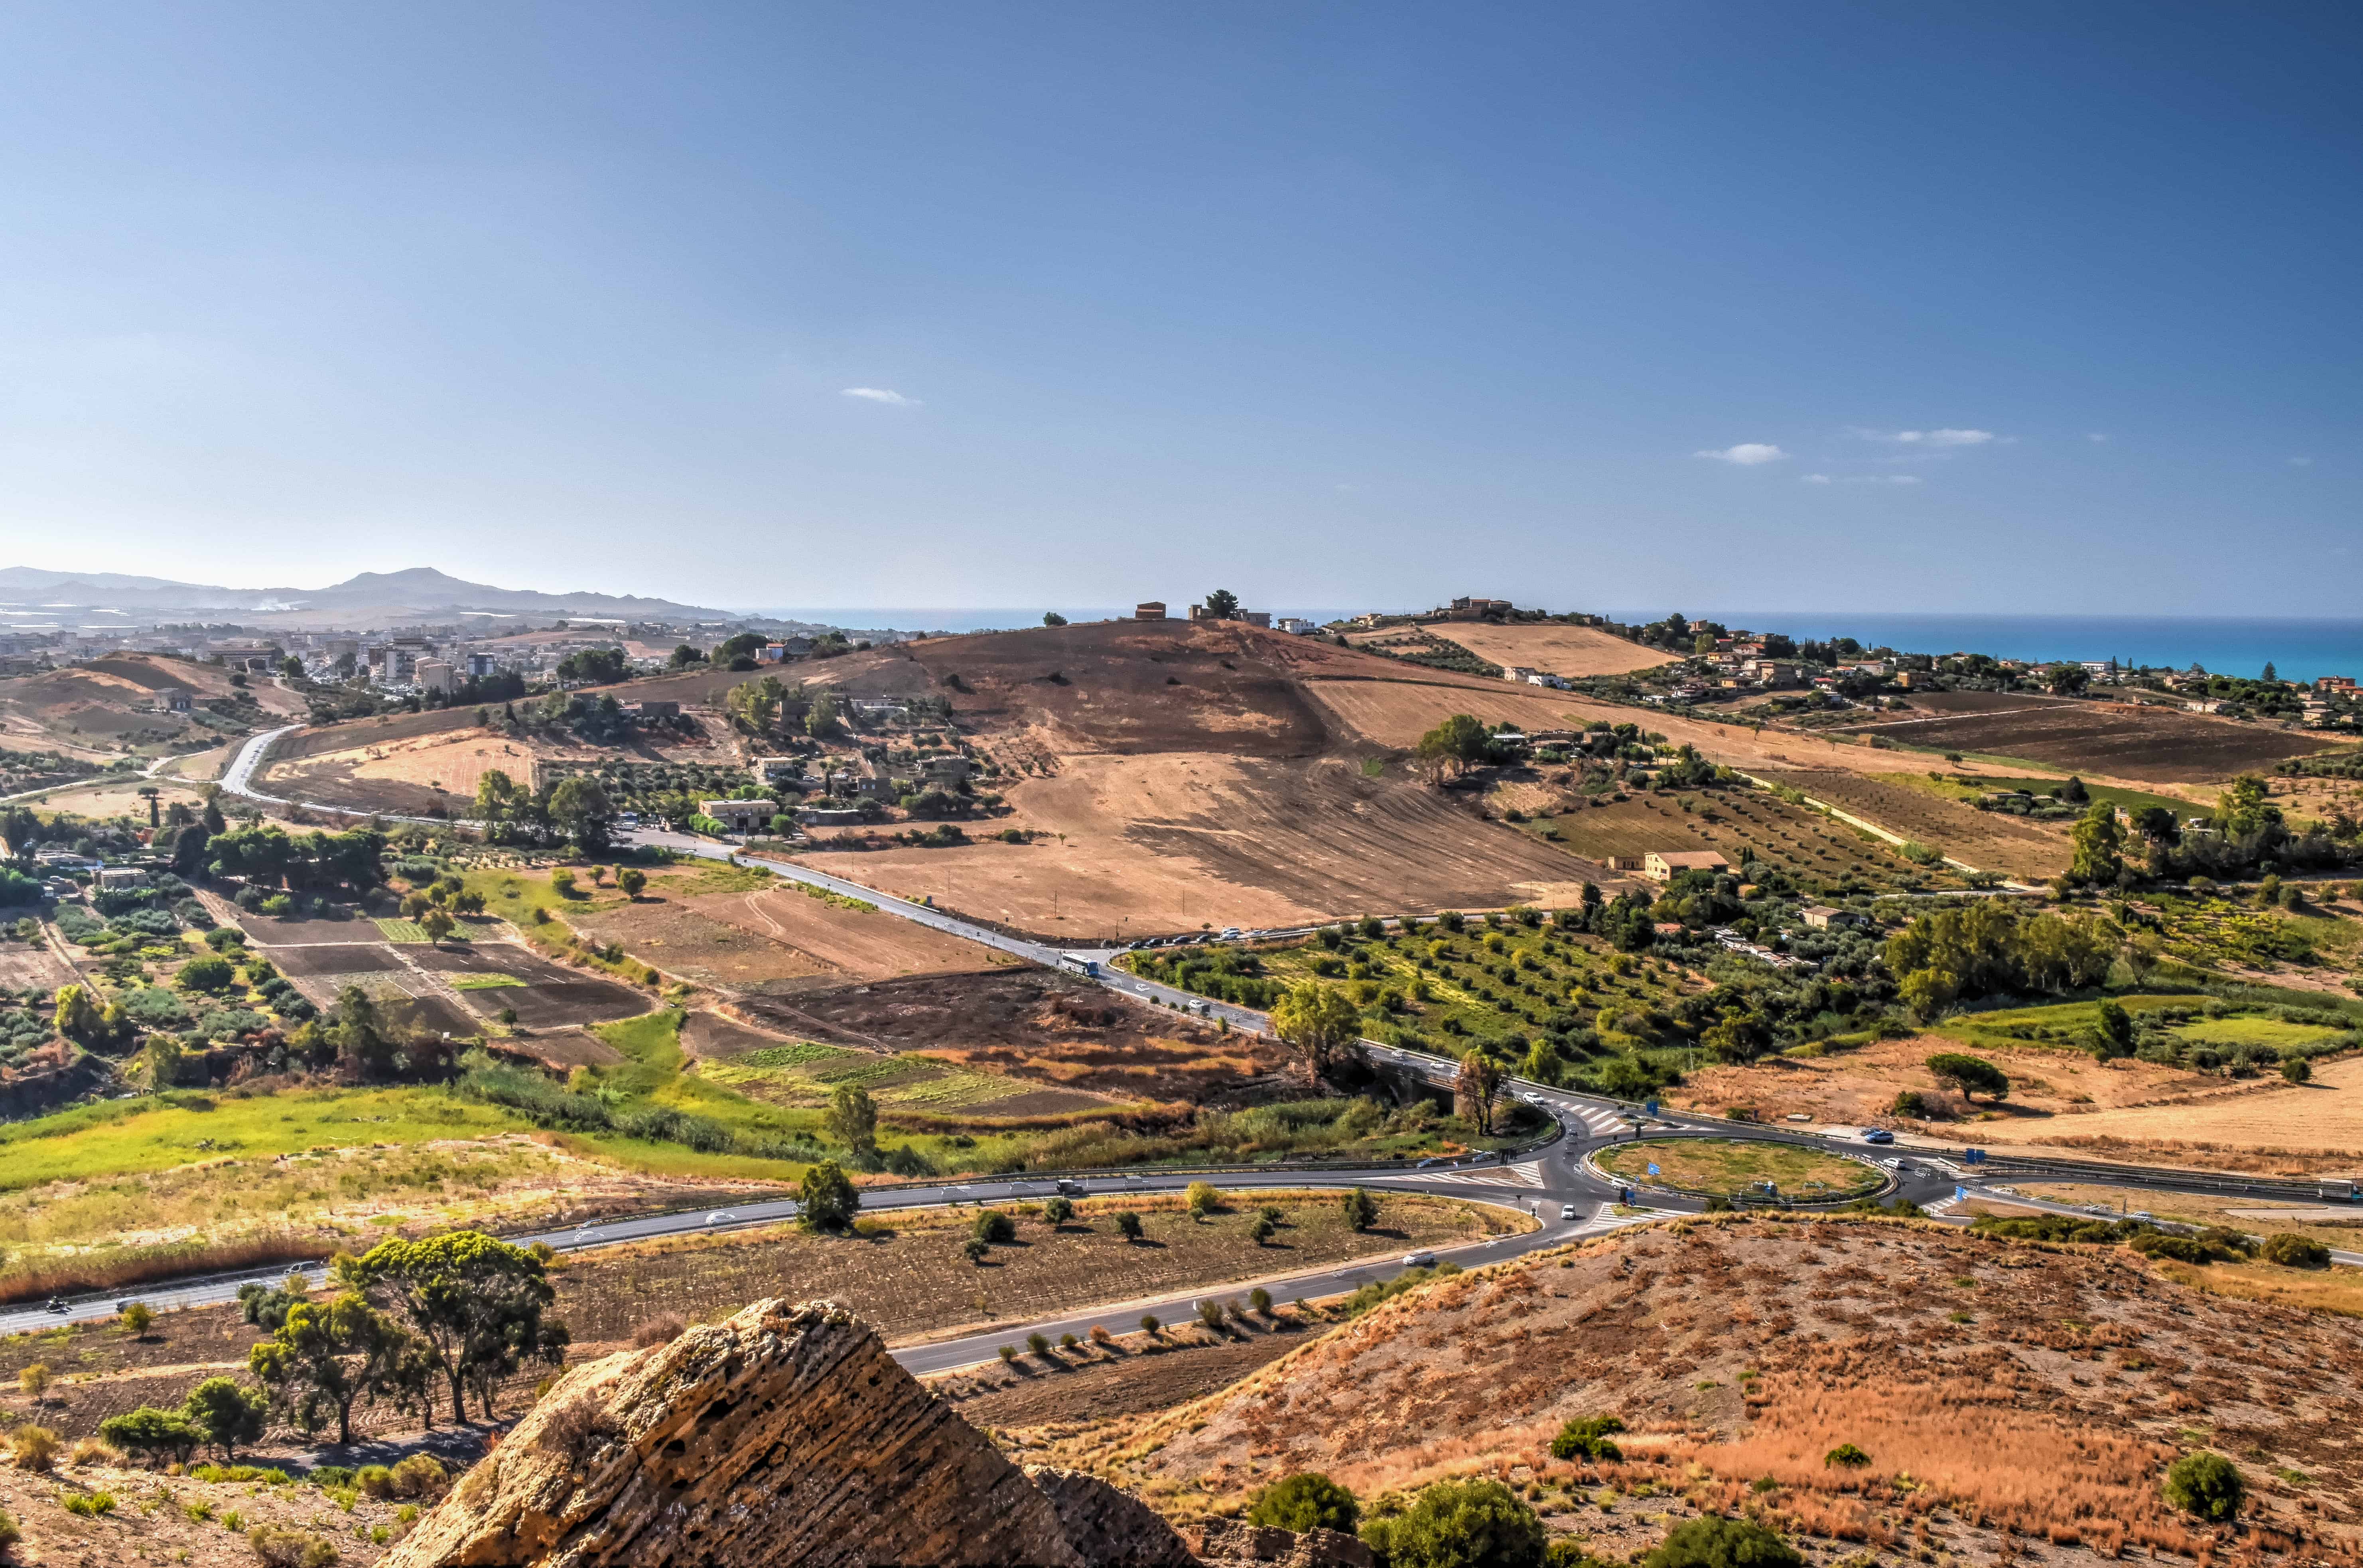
{"points": [[1527, 1174]]}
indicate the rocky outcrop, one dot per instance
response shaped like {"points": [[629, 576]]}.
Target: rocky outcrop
{"points": [[1227, 1543], [784, 1436], [1108, 1527]]}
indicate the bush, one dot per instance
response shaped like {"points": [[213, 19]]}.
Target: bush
{"points": [[1038, 1343], [277, 1548], [1202, 1200], [90, 1505], [149, 1432], [1128, 1224], [1846, 1456], [2207, 1485], [1261, 1299], [1262, 1231], [1588, 1439], [994, 1228], [1148, 1323], [1306, 1501], [661, 1329], [420, 1475], [1714, 1542], [33, 1447], [2292, 1250], [1911, 1103], [210, 973], [9, 1534], [374, 1480], [1460, 1524], [975, 1251], [1058, 1212], [1362, 1209]]}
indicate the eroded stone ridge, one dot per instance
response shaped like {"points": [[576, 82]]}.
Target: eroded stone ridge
{"points": [[784, 1436]]}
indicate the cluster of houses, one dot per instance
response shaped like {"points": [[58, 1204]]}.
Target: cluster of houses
{"points": [[1154, 610]]}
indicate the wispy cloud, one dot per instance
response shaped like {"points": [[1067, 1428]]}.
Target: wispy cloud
{"points": [[1861, 478], [1816, 479], [2301, 462], [1747, 453], [880, 395], [1929, 437], [2096, 438]]}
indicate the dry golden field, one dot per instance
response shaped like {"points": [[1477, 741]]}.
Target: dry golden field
{"points": [[1571, 651]]}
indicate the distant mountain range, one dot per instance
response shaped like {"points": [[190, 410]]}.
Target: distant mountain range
{"points": [[421, 589]]}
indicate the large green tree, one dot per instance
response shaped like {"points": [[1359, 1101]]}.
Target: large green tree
{"points": [[326, 1357], [1460, 1524], [1223, 604], [2099, 845], [1476, 1088], [1318, 1021], [581, 808], [1457, 745], [477, 1303], [853, 1120], [226, 1413]]}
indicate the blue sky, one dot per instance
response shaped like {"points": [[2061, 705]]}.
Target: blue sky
{"points": [[2022, 307]]}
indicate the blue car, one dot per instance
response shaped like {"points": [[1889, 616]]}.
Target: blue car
{"points": [[1877, 1135]]}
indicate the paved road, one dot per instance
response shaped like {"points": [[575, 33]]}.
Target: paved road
{"points": [[238, 779]]}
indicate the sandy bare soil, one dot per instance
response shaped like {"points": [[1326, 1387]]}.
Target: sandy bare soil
{"points": [[1172, 842], [94, 709], [2318, 1124], [849, 943], [1571, 651]]}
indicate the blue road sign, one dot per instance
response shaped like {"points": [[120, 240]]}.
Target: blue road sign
{"points": [[1653, 1170], [1651, 1108], [1960, 1192]]}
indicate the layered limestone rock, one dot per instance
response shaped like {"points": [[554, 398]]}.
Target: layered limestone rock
{"points": [[784, 1436], [1228, 1543]]}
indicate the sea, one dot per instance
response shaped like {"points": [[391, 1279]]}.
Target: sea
{"points": [[2301, 650]]}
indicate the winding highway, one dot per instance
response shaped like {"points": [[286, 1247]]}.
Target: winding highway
{"points": [[1557, 1184]]}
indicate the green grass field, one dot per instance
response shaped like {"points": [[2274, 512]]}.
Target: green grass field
{"points": [[400, 931], [1730, 1167], [491, 980]]}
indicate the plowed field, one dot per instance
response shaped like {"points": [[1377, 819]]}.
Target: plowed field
{"points": [[1169, 843], [1987, 840], [2150, 746]]}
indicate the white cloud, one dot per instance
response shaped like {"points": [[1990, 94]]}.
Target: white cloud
{"points": [[2301, 462], [2096, 436], [1747, 453], [880, 395], [1817, 479], [1929, 437]]}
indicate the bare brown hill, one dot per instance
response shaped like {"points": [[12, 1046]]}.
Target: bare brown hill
{"points": [[97, 709], [2002, 1391]]}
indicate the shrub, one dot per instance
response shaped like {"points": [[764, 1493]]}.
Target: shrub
{"points": [[994, 1228], [1715, 1542], [2292, 1250], [1588, 1439], [1262, 1231], [2297, 1070], [9, 1534], [210, 973], [1058, 1212], [90, 1505], [1148, 1323], [1460, 1524], [149, 1432], [1202, 1200], [1911, 1103], [976, 1249], [1306, 1501], [661, 1329], [1261, 1299], [2207, 1485], [1846, 1456], [33, 1447], [1100, 1335], [1038, 1343], [1210, 1312], [420, 1475], [138, 1317], [279, 1547], [1008, 1354], [1362, 1209], [1128, 1224]]}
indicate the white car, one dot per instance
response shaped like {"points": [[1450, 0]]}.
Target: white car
{"points": [[1567, 1210], [1419, 1260], [720, 1217], [1230, 933]]}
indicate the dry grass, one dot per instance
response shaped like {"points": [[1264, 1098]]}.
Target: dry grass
{"points": [[1571, 651], [1996, 1385], [1987, 840], [2337, 1290], [2314, 1126], [905, 1273]]}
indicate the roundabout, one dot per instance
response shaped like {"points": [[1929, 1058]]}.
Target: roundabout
{"points": [[1740, 1169]]}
